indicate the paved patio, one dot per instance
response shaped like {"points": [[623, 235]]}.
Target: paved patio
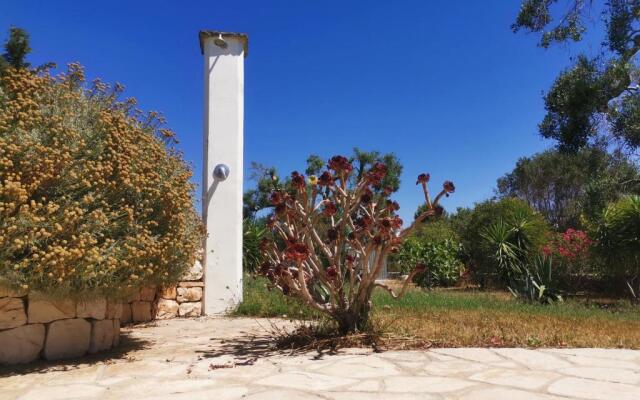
{"points": [[224, 359]]}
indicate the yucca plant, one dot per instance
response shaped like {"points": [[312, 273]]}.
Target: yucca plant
{"points": [[537, 283]]}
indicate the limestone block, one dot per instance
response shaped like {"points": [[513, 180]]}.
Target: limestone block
{"points": [[12, 313], [114, 310], [191, 284], [134, 296], [147, 294], [95, 309], [67, 338], [43, 311], [194, 273], [125, 318], [101, 335], [141, 311], [189, 294], [21, 345], [168, 293], [190, 309], [167, 309], [116, 332]]}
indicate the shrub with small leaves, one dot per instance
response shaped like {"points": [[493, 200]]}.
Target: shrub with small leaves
{"points": [[94, 200]]}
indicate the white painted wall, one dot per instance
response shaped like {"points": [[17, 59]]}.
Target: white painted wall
{"points": [[223, 144]]}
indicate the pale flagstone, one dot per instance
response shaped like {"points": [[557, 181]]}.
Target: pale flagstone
{"points": [[194, 273], [147, 293], [379, 396], [64, 392], [306, 381], [167, 309], [141, 311], [602, 362], [366, 386], [498, 393], [369, 367], [284, 395], [616, 354], [603, 374], [520, 379], [534, 359], [453, 367], [214, 358], [417, 384], [474, 354], [594, 390]]}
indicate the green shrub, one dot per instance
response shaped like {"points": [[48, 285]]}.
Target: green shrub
{"points": [[93, 198], [472, 225], [441, 259], [618, 241]]}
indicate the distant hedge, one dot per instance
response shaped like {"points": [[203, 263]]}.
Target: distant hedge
{"points": [[94, 200]]}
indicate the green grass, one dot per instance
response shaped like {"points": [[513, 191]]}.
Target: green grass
{"points": [[473, 318]]}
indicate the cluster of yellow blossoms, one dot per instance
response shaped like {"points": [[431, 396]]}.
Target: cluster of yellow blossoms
{"points": [[94, 200]]}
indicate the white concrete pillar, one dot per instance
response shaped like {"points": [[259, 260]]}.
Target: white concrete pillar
{"points": [[224, 55]]}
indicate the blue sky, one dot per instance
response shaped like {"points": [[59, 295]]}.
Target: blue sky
{"points": [[445, 85]]}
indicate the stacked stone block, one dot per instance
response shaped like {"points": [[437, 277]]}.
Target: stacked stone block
{"points": [[33, 328], [183, 300]]}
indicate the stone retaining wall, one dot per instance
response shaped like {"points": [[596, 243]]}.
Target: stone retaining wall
{"points": [[183, 300], [32, 328]]}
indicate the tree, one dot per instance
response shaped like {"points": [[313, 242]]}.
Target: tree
{"points": [[596, 98], [16, 49], [330, 237], [564, 187]]}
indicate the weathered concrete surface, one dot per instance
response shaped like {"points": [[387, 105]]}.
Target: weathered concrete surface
{"points": [[224, 359]]}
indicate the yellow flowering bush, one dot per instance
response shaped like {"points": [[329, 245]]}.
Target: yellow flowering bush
{"points": [[94, 200]]}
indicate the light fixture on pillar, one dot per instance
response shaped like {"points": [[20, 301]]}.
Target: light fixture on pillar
{"points": [[221, 172], [220, 42]]}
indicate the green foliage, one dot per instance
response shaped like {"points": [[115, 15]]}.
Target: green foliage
{"points": [[595, 98], [253, 233], [538, 282], [565, 187], [16, 49], [441, 258], [471, 225], [618, 238]]}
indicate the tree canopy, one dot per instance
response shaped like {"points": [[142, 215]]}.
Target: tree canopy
{"points": [[596, 99], [563, 186], [16, 49]]}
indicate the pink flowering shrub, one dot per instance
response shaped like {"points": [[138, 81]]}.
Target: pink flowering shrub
{"points": [[330, 236], [571, 246]]}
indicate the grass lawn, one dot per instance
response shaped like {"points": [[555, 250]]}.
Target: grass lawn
{"points": [[455, 318]]}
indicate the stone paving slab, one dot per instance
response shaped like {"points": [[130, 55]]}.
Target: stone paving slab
{"points": [[228, 359]]}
